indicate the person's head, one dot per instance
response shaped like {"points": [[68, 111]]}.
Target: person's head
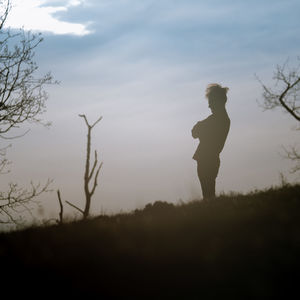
{"points": [[217, 96]]}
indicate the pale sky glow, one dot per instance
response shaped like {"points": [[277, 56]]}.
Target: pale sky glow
{"points": [[144, 65], [39, 15]]}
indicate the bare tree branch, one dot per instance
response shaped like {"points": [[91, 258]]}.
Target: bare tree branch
{"points": [[96, 179], [75, 207], [16, 200], [14, 137], [5, 10], [96, 122], [286, 95], [94, 166], [22, 95], [293, 154], [85, 119]]}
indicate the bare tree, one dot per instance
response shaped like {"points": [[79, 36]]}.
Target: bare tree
{"points": [[286, 95], [90, 173], [22, 99], [16, 201], [22, 96]]}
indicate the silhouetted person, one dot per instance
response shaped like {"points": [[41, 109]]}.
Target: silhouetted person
{"points": [[212, 133]]}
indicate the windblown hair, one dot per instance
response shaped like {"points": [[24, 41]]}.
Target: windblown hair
{"points": [[215, 91]]}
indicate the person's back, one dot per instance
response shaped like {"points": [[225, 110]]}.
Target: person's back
{"points": [[212, 133]]}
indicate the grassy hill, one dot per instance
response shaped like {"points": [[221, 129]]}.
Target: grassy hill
{"points": [[235, 247]]}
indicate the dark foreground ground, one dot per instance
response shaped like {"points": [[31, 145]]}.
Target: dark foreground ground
{"points": [[236, 247]]}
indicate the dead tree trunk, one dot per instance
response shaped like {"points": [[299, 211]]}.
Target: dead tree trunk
{"points": [[89, 174], [61, 213]]}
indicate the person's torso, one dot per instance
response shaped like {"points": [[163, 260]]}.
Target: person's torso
{"points": [[212, 136]]}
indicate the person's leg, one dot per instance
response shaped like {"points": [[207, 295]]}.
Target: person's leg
{"points": [[207, 173], [208, 186]]}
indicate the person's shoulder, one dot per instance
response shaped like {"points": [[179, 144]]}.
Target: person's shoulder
{"points": [[204, 120], [209, 118]]}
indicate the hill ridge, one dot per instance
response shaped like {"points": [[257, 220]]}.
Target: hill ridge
{"points": [[240, 246]]}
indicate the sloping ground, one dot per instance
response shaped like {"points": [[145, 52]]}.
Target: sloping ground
{"points": [[236, 247]]}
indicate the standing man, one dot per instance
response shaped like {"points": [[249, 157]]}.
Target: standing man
{"points": [[212, 133]]}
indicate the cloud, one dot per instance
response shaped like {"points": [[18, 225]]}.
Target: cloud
{"points": [[39, 15]]}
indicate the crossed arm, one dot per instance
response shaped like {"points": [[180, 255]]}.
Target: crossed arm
{"points": [[196, 131]]}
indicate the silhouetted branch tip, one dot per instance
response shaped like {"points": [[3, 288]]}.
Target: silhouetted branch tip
{"points": [[87, 123]]}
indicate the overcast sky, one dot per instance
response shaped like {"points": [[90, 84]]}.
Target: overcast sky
{"points": [[144, 65]]}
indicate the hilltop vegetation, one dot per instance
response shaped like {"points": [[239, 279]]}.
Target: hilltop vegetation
{"points": [[237, 247]]}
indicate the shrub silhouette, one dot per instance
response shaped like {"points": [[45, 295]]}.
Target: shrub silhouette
{"points": [[158, 207]]}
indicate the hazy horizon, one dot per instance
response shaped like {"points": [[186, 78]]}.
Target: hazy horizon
{"points": [[144, 67]]}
